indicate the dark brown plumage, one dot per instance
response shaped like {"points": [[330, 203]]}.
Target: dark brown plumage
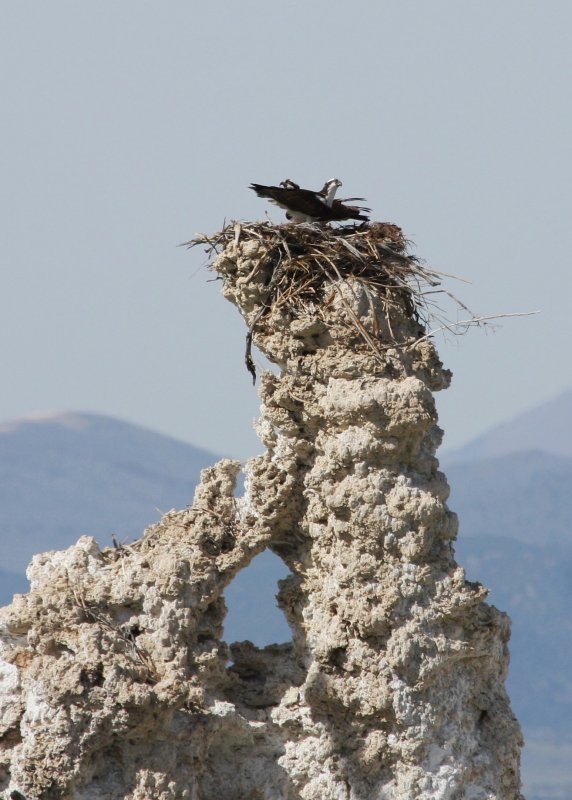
{"points": [[305, 205]]}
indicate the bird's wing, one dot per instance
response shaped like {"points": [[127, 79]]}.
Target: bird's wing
{"points": [[302, 201]]}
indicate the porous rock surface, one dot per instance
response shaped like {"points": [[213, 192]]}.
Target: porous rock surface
{"points": [[114, 681]]}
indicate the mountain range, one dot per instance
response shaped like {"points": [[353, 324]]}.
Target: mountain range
{"points": [[65, 475], [545, 428], [69, 474]]}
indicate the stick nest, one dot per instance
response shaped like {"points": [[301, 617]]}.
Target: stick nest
{"points": [[304, 259]]}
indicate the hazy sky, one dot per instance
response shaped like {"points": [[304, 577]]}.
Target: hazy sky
{"points": [[127, 127]]}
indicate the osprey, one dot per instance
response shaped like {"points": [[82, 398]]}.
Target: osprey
{"points": [[304, 205]]}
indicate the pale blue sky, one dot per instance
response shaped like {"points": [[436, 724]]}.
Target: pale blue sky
{"points": [[128, 127]]}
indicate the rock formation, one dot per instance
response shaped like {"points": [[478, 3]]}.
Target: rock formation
{"points": [[114, 681]]}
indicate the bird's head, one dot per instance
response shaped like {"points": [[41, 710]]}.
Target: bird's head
{"points": [[330, 189]]}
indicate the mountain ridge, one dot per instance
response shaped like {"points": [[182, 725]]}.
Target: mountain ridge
{"points": [[68, 474], [524, 496], [544, 427]]}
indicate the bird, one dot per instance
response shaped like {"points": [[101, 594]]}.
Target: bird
{"points": [[305, 205], [301, 205], [290, 184]]}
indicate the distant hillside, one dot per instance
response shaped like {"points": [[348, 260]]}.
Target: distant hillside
{"points": [[73, 474], [531, 583], [525, 496], [511, 488], [546, 428], [11, 584]]}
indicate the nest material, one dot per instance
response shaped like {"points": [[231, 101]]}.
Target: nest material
{"points": [[304, 259]]}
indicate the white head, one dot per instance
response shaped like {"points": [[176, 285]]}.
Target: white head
{"points": [[330, 189]]}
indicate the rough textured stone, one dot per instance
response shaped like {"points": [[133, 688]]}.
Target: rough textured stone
{"points": [[114, 681]]}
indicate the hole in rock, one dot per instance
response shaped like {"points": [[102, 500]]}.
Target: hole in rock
{"points": [[251, 602]]}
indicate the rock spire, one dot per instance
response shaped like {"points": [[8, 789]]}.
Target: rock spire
{"points": [[114, 680]]}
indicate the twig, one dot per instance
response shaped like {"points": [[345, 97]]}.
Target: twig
{"points": [[468, 323], [126, 635]]}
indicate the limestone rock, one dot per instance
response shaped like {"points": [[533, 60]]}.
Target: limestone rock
{"points": [[114, 681]]}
